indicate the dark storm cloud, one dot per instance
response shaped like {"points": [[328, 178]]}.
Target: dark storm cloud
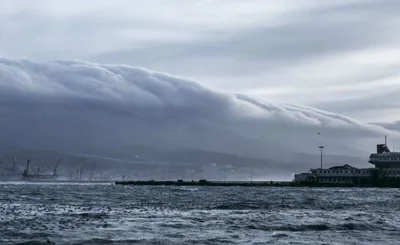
{"points": [[73, 105]]}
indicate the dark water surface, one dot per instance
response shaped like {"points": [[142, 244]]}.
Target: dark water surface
{"points": [[109, 214]]}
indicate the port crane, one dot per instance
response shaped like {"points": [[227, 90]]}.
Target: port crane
{"points": [[26, 173], [56, 167]]}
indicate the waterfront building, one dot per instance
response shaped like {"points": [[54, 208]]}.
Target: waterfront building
{"points": [[345, 174], [386, 169], [387, 162]]}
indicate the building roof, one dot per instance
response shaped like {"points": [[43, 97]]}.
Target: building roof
{"points": [[305, 174], [346, 166], [385, 154]]}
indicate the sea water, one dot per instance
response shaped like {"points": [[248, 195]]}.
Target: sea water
{"points": [[112, 214]]}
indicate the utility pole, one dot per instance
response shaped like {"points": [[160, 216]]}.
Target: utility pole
{"points": [[321, 147]]}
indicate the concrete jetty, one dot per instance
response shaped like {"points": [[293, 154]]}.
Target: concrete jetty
{"points": [[206, 183]]}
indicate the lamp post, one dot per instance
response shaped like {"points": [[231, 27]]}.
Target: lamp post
{"points": [[321, 147]]}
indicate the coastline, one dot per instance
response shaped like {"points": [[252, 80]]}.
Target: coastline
{"points": [[391, 184]]}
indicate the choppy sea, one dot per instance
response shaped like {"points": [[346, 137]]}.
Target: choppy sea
{"points": [[112, 214]]}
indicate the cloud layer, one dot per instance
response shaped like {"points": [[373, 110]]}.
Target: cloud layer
{"points": [[77, 106], [341, 56]]}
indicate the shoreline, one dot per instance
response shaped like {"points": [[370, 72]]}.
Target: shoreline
{"points": [[395, 184], [255, 184]]}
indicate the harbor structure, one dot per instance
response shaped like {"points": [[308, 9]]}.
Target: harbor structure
{"points": [[386, 171], [345, 174], [27, 174], [387, 162]]}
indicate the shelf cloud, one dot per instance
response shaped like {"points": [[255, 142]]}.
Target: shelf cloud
{"points": [[75, 105], [339, 56]]}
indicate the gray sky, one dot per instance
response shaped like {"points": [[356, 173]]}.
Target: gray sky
{"points": [[341, 56]]}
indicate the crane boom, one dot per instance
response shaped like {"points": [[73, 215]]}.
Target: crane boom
{"points": [[56, 167]]}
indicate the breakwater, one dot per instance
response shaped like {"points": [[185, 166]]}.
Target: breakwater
{"points": [[206, 183], [380, 184]]}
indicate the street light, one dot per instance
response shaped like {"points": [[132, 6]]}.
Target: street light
{"points": [[321, 147]]}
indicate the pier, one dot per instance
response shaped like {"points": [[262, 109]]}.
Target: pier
{"points": [[206, 183], [385, 184]]}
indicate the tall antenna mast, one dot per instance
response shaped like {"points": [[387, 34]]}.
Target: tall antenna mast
{"points": [[385, 140]]}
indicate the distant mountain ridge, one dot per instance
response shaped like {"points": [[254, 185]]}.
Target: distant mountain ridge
{"points": [[142, 161]]}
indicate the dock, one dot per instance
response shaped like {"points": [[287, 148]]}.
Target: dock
{"points": [[254, 184], [206, 183]]}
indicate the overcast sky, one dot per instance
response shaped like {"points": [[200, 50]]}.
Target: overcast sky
{"points": [[342, 55]]}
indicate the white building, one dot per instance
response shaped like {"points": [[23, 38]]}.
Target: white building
{"points": [[345, 174]]}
